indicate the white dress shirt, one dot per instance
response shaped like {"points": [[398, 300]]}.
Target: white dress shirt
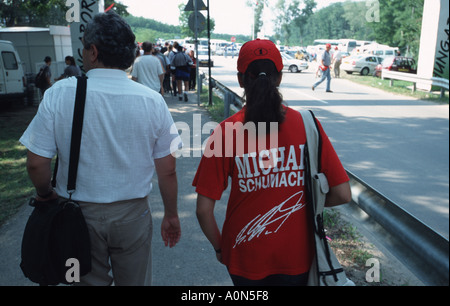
{"points": [[126, 127]]}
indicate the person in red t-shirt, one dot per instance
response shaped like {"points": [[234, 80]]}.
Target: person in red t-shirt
{"points": [[266, 237]]}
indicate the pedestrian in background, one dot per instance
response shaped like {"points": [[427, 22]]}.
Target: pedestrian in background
{"points": [[126, 137], [71, 70], [44, 77], [182, 63], [337, 60], [193, 71], [267, 237], [148, 69], [325, 64]]}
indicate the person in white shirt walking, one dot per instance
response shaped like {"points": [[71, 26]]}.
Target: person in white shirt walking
{"points": [[337, 59], [148, 70], [128, 134]]}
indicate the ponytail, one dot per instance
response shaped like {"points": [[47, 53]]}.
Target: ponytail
{"points": [[263, 99]]}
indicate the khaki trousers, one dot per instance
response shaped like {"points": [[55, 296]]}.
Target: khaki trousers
{"points": [[121, 236]]}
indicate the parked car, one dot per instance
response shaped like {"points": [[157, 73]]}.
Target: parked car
{"points": [[12, 76], [363, 64], [203, 59], [397, 63], [292, 64], [228, 50]]}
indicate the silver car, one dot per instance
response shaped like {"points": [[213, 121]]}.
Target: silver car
{"points": [[363, 64], [292, 64]]}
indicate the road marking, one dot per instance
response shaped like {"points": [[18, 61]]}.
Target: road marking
{"points": [[311, 97]]}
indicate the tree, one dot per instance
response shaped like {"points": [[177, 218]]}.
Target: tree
{"points": [[34, 13], [355, 15], [118, 7], [258, 7], [301, 20], [400, 24], [292, 16], [328, 23], [37, 13], [184, 23]]}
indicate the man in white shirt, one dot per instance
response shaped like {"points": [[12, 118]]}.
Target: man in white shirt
{"points": [[128, 134], [147, 69], [337, 59]]}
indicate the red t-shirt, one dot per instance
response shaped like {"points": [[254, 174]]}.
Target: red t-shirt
{"points": [[266, 229]]}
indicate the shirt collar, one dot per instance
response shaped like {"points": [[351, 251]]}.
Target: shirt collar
{"points": [[106, 73]]}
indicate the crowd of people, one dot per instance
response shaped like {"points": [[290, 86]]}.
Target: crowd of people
{"points": [[165, 69], [178, 68]]}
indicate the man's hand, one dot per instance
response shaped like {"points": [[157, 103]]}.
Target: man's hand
{"points": [[170, 231]]}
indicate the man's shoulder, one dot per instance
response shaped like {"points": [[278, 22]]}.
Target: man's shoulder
{"points": [[147, 59]]}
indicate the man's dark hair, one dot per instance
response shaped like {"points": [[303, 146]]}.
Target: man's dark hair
{"points": [[147, 46], [47, 59], [114, 39]]}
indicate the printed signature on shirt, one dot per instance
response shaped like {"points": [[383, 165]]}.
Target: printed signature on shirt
{"points": [[278, 214]]}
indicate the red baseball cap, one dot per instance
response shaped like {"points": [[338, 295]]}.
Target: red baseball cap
{"points": [[258, 49]]}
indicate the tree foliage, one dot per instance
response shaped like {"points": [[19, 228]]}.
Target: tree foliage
{"points": [[38, 13], [298, 23], [32, 13], [118, 7], [400, 24]]}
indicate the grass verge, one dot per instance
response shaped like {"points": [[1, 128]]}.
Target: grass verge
{"points": [[217, 109], [15, 186], [399, 87]]}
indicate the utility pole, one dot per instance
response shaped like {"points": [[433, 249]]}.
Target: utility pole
{"points": [[197, 74]]}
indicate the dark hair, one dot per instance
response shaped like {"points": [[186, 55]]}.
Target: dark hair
{"points": [[113, 38], [47, 59], [263, 99], [147, 46], [71, 59]]}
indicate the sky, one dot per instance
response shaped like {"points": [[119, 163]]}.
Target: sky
{"points": [[231, 16]]}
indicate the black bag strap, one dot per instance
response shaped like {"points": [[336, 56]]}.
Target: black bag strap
{"points": [[77, 127]]}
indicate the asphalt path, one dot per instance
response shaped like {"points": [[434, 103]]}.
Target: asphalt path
{"points": [[397, 144]]}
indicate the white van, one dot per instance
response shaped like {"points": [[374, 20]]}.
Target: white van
{"points": [[388, 52], [12, 76]]}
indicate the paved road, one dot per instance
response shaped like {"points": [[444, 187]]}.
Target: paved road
{"points": [[398, 145]]}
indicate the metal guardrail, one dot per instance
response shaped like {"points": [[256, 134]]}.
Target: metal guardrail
{"points": [[414, 78], [420, 248], [229, 98]]}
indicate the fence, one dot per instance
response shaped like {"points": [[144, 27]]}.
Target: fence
{"points": [[413, 78]]}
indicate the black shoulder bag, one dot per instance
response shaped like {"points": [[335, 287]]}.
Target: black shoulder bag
{"points": [[56, 243]]}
